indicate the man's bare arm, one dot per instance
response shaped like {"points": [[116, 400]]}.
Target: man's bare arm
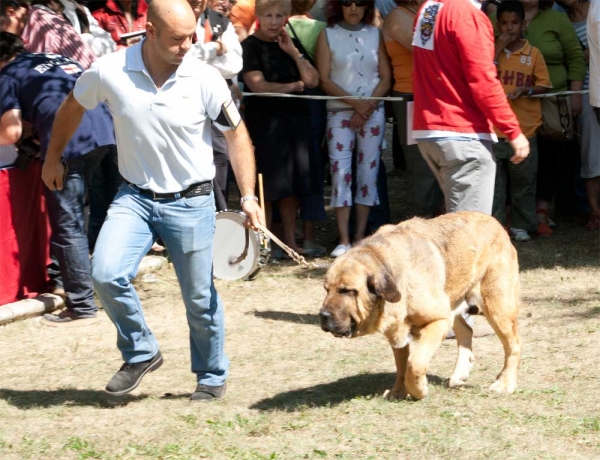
{"points": [[67, 120], [241, 154]]}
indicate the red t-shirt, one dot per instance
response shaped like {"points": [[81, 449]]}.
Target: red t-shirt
{"points": [[455, 84], [113, 20]]}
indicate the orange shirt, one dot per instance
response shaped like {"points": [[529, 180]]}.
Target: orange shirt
{"points": [[243, 14], [402, 65], [524, 68]]}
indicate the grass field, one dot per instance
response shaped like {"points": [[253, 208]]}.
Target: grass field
{"points": [[295, 392]]}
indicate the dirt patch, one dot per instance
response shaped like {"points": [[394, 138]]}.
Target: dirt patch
{"points": [[296, 392]]}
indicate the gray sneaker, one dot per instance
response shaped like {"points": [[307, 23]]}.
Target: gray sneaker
{"points": [[208, 392], [519, 234], [130, 375], [68, 318]]}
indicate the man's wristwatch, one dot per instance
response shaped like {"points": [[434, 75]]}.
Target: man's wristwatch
{"points": [[247, 198]]}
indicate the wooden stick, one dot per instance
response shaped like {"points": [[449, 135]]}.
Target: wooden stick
{"points": [[261, 195]]}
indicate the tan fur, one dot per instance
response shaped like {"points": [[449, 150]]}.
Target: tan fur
{"points": [[407, 282]]}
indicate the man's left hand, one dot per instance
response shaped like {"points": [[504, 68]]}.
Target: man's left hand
{"points": [[53, 175], [255, 216], [521, 147]]}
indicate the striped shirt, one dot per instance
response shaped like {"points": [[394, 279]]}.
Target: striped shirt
{"points": [[47, 32]]}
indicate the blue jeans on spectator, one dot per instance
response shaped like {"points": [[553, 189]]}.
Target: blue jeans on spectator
{"points": [[69, 243], [186, 226]]}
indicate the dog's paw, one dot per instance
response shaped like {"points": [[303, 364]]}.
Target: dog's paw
{"points": [[394, 394], [416, 386], [455, 382], [503, 386], [462, 370]]}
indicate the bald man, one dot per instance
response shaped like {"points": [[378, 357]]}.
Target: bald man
{"points": [[162, 101]]}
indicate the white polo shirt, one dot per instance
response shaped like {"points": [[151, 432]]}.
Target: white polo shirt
{"points": [[163, 135]]}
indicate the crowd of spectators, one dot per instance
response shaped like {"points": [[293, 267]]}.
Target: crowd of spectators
{"points": [[362, 48]]}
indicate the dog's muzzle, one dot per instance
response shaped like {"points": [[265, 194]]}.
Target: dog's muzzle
{"points": [[328, 324]]}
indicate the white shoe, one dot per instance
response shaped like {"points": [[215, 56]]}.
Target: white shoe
{"points": [[339, 250], [519, 234]]}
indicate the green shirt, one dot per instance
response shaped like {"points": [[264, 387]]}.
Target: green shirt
{"points": [[553, 34], [308, 31]]}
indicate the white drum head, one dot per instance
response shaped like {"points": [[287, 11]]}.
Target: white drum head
{"points": [[229, 243]]}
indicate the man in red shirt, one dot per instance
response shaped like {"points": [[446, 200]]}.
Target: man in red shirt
{"points": [[458, 98], [119, 17]]}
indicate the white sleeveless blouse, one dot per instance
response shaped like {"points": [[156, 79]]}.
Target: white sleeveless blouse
{"points": [[354, 61]]}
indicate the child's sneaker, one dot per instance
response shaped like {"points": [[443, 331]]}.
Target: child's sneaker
{"points": [[544, 227], [518, 234]]}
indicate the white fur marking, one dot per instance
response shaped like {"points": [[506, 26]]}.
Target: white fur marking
{"points": [[408, 339], [462, 308]]}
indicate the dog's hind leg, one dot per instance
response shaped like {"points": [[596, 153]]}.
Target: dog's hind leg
{"points": [[399, 389], [425, 343], [465, 358], [499, 289]]}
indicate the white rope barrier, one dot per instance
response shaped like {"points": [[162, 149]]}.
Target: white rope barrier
{"points": [[305, 96], [387, 98], [561, 93]]}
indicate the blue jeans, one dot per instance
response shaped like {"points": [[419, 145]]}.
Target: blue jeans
{"points": [[69, 243], [186, 226]]}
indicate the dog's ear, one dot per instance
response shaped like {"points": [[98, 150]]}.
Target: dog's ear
{"points": [[383, 285]]}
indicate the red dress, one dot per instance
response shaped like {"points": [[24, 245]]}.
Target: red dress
{"points": [[112, 19]]}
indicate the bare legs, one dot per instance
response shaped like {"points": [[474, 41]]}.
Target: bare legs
{"points": [[287, 209], [342, 215]]}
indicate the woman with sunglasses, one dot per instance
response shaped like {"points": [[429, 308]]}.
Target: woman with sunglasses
{"points": [[352, 61]]}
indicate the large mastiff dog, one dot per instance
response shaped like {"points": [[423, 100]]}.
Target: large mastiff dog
{"points": [[412, 281]]}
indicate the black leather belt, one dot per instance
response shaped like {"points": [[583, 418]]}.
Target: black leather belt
{"points": [[201, 188]]}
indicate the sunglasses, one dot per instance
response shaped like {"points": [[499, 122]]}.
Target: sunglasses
{"points": [[358, 3]]}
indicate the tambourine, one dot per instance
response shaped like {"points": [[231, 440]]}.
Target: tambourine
{"points": [[239, 252]]}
